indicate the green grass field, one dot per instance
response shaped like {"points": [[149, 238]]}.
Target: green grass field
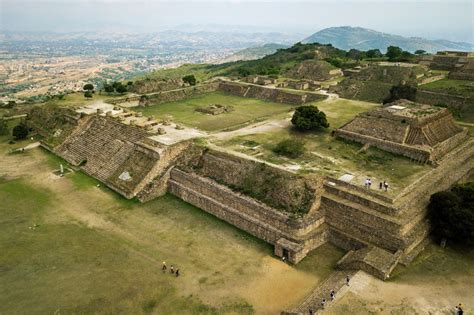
{"points": [[331, 156], [245, 110], [68, 246], [449, 86]]}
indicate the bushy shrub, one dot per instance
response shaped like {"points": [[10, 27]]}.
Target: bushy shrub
{"points": [[3, 127], [451, 214], [20, 131], [291, 148], [308, 118], [190, 79]]}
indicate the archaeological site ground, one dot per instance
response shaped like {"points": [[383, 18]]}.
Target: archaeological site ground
{"points": [[104, 190]]}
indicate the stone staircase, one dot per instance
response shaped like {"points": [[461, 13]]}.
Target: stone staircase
{"points": [[336, 281], [373, 260]]}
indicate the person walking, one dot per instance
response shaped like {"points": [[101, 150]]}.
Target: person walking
{"points": [[380, 185], [310, 311], [172, 269], [332, 294], [370, 182], [323, 303], [164, 267], [347, 280], [177, 272], [385, 185]]}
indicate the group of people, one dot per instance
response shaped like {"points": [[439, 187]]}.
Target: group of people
{"points": [[382, 185], [172, 269], [332, 295], [459, 310]]}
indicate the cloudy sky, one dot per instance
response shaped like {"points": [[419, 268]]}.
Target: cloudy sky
{"points": [[434, 19]]}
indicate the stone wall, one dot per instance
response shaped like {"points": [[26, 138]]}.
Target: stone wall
{"points": [[269, 94], [297, 236], [417, 154], [149, 85], [459, 104], [276, 187]]}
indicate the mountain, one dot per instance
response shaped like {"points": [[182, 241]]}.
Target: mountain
{"points": [[253, 53], [347, 37]]}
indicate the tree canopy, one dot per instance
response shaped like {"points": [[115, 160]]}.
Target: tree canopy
{"points": [[20, 131], [190, 79], [309, 117], [401, 91], [451, 214], [393, 53], [88, 87]]}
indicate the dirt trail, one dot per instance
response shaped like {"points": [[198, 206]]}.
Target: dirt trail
{"points": [[260, 127]]}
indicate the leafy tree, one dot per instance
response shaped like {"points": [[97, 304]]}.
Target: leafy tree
{"points": [[451, 214], [355, 54], [121, 88], [108, 88], [393, 53], [190, 79], [420, 52], [373, 53], [88, 87], [88, 94], [20, 131], [129, 83], [291, 148], [402, 91], [3, 127], [308, 118], [405, 56]]}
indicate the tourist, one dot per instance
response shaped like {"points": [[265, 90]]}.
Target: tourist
{"points": [[310, 311], [369, 183], [164, 267], [172, 269], [366, 183], [283, 258], [332, 294], [323, 303], [177, 272], [380, 185], [385, 184], [460, 309], [347, 280]]}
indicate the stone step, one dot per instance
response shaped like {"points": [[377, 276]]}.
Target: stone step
{"points": [[336, 281], [373, 260]]}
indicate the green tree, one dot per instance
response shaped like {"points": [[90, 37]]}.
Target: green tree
{"points": [[190, 79], [20, 131], [420, 52], [373, 53], [109, 88], [402, 91], [88, 87], [88, 94], [3, 127], [121, 88], [451, 214], [291, 148], [308, 118], [393, 53]]}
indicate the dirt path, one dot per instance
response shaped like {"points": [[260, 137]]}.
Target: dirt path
{"points": [[261, 127], [370, 295]]}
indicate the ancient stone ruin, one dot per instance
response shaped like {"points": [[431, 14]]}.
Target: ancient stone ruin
{"points": [[294, 212], [422, 132], [215, 109]]}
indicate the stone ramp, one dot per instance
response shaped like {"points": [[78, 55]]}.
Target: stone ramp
{"points": [[373, 260], [336, 281]]}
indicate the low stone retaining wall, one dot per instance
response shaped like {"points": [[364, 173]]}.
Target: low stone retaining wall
{"points": [[410, 152]]}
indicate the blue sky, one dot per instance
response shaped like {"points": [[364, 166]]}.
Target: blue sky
{"points": [[445, 19]]}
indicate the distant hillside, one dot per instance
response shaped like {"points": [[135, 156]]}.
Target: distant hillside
{"points": [[346, 37], [253, 53]]}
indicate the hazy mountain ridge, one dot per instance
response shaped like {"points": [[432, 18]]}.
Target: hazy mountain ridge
{"points": [[253, 53], [347, 37]]}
